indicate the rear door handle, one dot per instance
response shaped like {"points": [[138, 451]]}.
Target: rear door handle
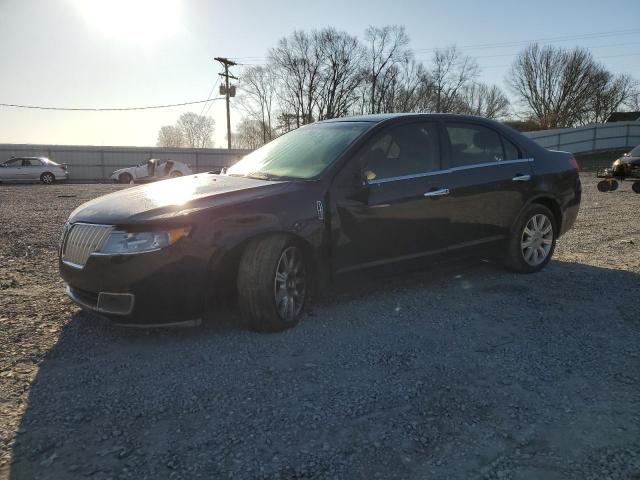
{"points": [[437, 193], [521, 178]]}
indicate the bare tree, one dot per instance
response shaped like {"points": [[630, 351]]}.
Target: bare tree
{"points": [[555, 86], [249, 134], [610, 93], [170, 136], [386, 50], [633, 102], [483, 100], [451, 72], [259, 89], [296, 61], [404, 87], [197, 130], [341, 58]]}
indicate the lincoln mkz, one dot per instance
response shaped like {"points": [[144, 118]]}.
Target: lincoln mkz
{"points": [[323, 201]]}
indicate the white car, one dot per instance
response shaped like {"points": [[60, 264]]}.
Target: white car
{"points": [[29, 169], [150, 171]]}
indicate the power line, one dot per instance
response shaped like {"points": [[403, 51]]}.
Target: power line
{"points": [[108, 109], [597, 58], [514, 43], [564, 38], [515, 54], [204, 105]]}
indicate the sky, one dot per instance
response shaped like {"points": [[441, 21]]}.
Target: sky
{"points": [[129, 53]]}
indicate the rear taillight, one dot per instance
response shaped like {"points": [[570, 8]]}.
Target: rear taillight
{"points": [[64, 167], [574, 163]]}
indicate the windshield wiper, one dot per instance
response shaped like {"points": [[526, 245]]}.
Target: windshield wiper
{"points": [[264, 176]]}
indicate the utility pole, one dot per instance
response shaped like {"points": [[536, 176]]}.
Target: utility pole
{"points": [[227, 91]]}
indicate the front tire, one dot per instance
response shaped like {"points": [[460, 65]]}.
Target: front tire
{"points": [[47, 178], [175, 174], [532, 240], [635, 186], [272, 284]]}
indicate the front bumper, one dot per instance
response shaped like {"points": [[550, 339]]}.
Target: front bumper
{"points": [[165, 287]]}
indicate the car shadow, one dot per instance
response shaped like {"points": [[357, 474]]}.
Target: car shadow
{"points": [[97, 405]]}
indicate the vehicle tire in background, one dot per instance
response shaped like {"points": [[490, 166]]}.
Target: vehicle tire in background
{"points": [[125, 178], [603, 186], [175, 174], [532, 240], [47, 178], [636, 186], [272, 283], [613, 185]]}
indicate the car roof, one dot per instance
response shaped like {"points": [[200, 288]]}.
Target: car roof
{"points": [[383, 117]]}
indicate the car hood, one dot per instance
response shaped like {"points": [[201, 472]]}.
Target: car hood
{"points": [[170, 200]]}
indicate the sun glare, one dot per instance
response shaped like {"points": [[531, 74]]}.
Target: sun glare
{"points": [[176, 192], [134, 21]]}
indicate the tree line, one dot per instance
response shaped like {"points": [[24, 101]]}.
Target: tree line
{"points": [[326, 73]]}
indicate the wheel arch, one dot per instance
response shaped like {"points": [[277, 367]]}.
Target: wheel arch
{"points": [[552, 204], [223, 267]]}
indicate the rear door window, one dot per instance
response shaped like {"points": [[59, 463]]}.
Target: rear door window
{"points": [[32, 162], [400, 151], [473, 144]]}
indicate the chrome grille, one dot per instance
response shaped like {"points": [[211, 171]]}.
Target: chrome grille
{"points": [[81, 240]]}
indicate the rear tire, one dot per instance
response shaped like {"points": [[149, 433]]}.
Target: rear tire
{"points": [[272, 284], [603, 186], [47, 178], [532, 240], [125, 178], [175, 174], [636, 186], [613, 185]]}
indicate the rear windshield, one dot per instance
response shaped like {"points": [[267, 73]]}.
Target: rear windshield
{"points": [[301, 154], [635, 152]]}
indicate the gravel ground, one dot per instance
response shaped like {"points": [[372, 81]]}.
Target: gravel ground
{"points": [[465, 371]]}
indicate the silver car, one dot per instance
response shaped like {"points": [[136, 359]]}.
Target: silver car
{"points": [[28, 169]]}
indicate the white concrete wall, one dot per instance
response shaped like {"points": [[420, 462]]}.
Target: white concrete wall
{"points": [[590, 138], [97, 163]]}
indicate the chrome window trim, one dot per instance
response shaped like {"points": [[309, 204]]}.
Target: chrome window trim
{"points": [[449, 170]]}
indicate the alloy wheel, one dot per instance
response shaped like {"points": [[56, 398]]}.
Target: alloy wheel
{"points": [[537, 239], [290, 284]]}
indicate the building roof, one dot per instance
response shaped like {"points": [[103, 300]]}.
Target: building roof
{"points": [[623, 117]]}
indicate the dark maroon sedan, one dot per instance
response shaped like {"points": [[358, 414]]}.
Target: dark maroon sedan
{"points": [[319, 202]]}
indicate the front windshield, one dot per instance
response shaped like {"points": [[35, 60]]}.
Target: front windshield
{"points": [[300, 154], [635, 152]]}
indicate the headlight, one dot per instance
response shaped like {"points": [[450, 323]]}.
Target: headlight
{"points": [[139, 242]]}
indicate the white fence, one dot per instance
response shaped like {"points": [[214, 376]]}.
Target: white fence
{"points": [[590, 138], [88, 163]]}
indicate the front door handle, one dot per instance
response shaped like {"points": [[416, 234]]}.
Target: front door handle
{"points": [[521, 178], [437, 193]]}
